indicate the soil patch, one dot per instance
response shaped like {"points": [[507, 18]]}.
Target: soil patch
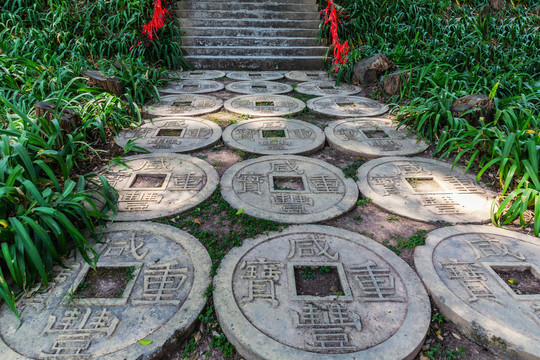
{"points": [[104, 282], [317, 281], [520, 279], [148, 181]]}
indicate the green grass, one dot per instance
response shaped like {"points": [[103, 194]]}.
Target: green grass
{"points": [[456, 49]]}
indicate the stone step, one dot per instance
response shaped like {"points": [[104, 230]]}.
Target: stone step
{"points": [[227, 6], [239, 13], [248, 41], [250, 23], [248, 32], [255, 50], [256, 63]]}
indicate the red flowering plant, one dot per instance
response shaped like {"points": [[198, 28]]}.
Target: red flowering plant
{"points": [[340, 49], [149, 31]]}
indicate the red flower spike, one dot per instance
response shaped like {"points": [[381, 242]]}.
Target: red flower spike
{"points": [[340, 50], [157, 22]]}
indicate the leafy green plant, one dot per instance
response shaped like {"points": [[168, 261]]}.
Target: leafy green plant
{"points": [[307, 273], [433, 351], [364, 202], [453, 354], [325, 269]]}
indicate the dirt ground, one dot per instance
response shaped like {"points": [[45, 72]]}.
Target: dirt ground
{"points": [[212, 221]]}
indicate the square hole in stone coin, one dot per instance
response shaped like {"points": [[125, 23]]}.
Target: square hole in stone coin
{"points": [[521, 279], [254, 74], [273, 133], [258, 87], [312, 75], [190, 87], [326, 87], [105, 282], [346, 104], [170, 132], [148, 181], [197, 73], [375, 134], [424, 184], [294, 183], [264, 103], [182, 103], [317, 280]]}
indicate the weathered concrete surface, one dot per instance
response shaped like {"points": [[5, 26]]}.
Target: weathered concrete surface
{"points": [[264, 105], [327, 87], [346, 106], [259, 87], [192, 87], [185, 104]]}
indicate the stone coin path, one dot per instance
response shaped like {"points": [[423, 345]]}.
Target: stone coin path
{"points": [[158, 295], [346, 106], [192, 87], [317, 292], [425, 189], [259, 87], [161, 185], [264, 105], [372, 137], [273, 136], [185, 104], [487, 281], [307, 75], [202, 74], [172, 135], [327, 87], [288, 189], [254, 75]]}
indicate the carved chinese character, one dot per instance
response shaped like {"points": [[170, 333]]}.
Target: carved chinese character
{"points": [[198, 133], [463, 185], [286, 166], [302, 133], [251, 182], [325, 184], [385, 144], [311, 245], [262, 276], [69, 347], [139, 133], [389, 185], [187, 181], [348, 134], [130, 245], [159, 164], [280, 144], [163, 143], [472, 278], [487, 247], [378, 284], [175, 124], [144, 196], [443, 205], [245, 134], [162, 283], [412, 169]]}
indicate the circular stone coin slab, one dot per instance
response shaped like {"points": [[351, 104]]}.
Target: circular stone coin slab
{"points": [[372, 137], [162, 294], [254, 75], [425, 190], [172, 134], [264, 105], [270, 307], [202, 74], [272, 136], [288, 189], [307, 75], [346, 106], [323, 88], [259, 87], [461, 268], [192, 87], [185, 104], [161, 185]]}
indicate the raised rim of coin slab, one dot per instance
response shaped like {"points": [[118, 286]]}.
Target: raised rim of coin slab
{"points": [[185, 101]]}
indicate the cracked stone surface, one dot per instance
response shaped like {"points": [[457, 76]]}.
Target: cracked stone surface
{"points": [[372, 137], [288, 189], [346, 106], [459, 266], [172, 134], [264, 105], [270, 136], [425, 189], [160, 185], [185, 104], [192, 87], [328, 87], [259, 87], [162, 299], [381, 310]]}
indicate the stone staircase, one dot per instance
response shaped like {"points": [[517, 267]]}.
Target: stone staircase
{"points": [[249, 35]]}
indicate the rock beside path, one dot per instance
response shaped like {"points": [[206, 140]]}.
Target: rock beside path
{"points": [[369, 70]]}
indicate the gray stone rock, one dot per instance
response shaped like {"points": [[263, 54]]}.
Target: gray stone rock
{"points": [[264, 105], [271, 136], [463, 268], [307, 76], [346, 106], [372, 137], [192, 87], [497, 5], [329, 87], [369, 70], [259, 87], [473, 108], [288, 189], [202, 74], [172, 135], [394, 83], [185, 104], [160, 301], [254, 75], [161, 185], [425, 190], [377, 309]]}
